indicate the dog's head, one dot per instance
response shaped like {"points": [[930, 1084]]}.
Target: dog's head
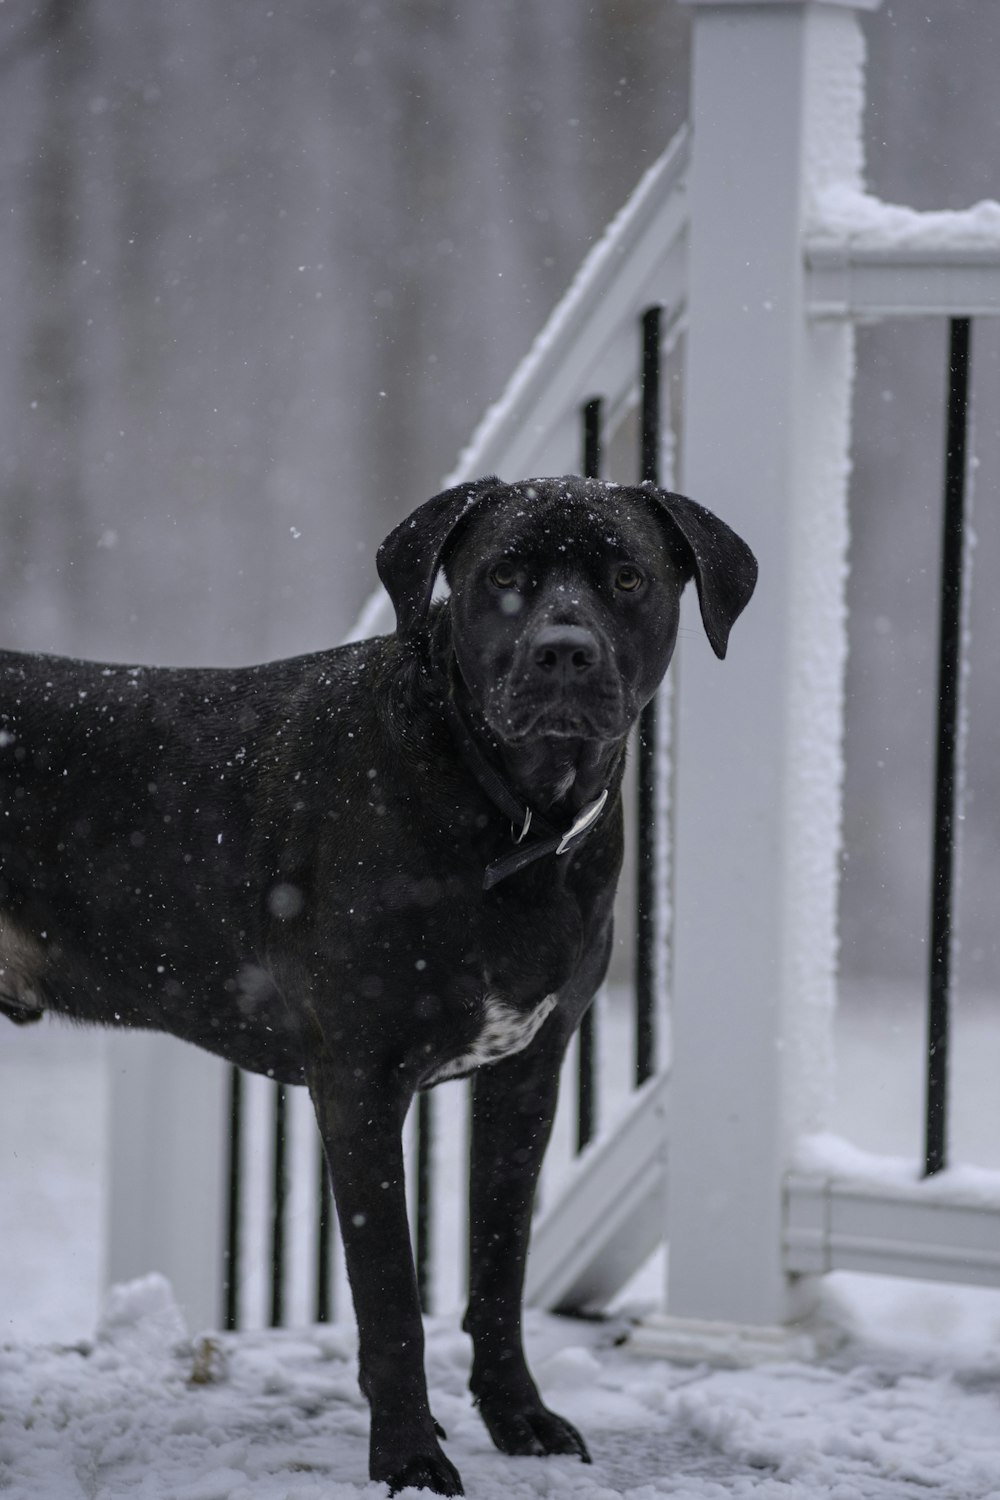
{"points": [[565, 594]]}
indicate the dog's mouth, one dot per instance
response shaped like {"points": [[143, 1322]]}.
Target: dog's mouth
{"points": [[566, 716]]}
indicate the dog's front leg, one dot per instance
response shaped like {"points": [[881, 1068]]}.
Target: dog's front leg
{"points": [[514, 1103], [361, 1120]]}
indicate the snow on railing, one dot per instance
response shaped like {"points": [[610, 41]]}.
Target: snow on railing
{"points": [[850, 1210], [865, 224], [868, 259]]}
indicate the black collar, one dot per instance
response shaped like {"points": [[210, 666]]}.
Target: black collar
{"points": [[524, 820]]}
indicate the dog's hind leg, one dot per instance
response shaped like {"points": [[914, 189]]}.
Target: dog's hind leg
{"points": [[361, 1119], [514, 1103]]}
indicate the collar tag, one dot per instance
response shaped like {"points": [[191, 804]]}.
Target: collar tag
{"points": [[520, 837], [587, 817]]}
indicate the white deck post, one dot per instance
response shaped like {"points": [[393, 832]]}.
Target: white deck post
{"points": [[777, 98], [166, 1168]]}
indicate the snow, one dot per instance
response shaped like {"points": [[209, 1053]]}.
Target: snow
{"points": [[833, 141], [143, 1410], [844, 212], [891, 1176]]}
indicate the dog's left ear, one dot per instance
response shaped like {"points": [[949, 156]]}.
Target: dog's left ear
{"points": [[725, 570], [409, 558]]}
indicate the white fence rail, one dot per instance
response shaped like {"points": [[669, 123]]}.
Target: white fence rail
{"points": [[939, 1230], [756, 236]]}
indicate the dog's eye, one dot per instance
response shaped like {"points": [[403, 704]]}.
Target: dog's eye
{"points": [[504, 575], [628, 578]]}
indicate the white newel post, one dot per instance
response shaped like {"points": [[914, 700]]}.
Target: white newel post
{"points": [[166, 1192], [777, 100]]}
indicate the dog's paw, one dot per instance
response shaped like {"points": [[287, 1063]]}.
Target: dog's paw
{"points": [[531, 1430], [425, 1471]]}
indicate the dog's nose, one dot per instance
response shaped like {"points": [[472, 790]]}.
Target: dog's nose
{"points": [[565, 651]]}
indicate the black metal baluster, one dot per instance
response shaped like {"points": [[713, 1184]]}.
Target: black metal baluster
{"points": [[279, 1190], [645, 936], [424, 1234], [947, 767], [234, 1166], [592, 456], [586, 1057], [324, 1241]]}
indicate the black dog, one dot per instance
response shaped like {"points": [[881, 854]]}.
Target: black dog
{"points": [[374, 868]]}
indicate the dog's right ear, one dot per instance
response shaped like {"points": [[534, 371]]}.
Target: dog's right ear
{"points": [[409, 558]]}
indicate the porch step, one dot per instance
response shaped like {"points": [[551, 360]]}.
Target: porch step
{"points": [[731, 1346]]}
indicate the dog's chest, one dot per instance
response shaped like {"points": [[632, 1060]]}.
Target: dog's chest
{"points": [[504, 1031]]}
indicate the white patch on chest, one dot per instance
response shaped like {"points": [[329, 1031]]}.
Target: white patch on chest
{"points": [[504, 1032]]}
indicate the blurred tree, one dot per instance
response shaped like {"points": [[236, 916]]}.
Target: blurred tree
{"points": [[47, 499]]}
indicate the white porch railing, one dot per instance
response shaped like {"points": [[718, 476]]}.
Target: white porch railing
{"points": [[757, 238]]}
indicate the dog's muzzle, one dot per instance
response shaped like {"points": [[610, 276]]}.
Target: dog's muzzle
{"points": [[562, 685]]}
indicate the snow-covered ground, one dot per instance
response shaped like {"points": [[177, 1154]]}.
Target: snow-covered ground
{"points": [[909, 1404], [143, 1411]]}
